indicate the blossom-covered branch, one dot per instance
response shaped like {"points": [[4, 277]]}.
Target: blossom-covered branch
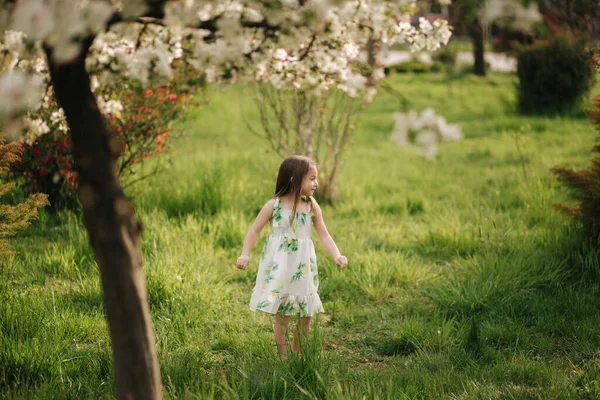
{"points": [[288, 43]]}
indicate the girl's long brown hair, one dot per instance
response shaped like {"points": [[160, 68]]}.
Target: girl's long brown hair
{"points": [[289, 179]]}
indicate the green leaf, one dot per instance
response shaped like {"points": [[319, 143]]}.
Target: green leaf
{"points": [[277, 211], [289, 244], [286, 309], [263, 304], [274, 266], [296, 276], [303, 310]]}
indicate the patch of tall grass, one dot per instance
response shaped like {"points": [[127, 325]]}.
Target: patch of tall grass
{"points": [[463, 283]]}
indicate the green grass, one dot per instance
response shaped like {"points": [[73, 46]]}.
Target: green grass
{"points": [[463, 282]]}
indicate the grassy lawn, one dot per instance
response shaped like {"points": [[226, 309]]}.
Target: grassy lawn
{"points": [[463, 282]]}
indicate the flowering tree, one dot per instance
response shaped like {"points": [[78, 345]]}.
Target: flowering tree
{"points": [[140, 117], [71, 46]]}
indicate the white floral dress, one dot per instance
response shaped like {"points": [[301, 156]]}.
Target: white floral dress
{"points": [[288, 278]]}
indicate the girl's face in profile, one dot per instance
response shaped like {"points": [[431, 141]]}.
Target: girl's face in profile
{"points": [[310, 184]]}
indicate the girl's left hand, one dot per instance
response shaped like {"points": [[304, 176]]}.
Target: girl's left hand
{"points": [[342, 261]]}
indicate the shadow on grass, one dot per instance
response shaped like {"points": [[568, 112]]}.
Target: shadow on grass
{"points": [[85, 302], [539, 299]]}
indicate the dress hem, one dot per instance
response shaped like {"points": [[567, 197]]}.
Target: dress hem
{"points": [[286, 304]]}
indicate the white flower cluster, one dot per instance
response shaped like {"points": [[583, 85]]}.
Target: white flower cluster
{"points": [[115, 54], [426, 130], [288, 43], [324, 61], [60, 23], [57, 118], [109, 107], [19, 90], [38, 126]]}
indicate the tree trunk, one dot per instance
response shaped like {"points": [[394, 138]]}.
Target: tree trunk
{"points": [[372, 47], [113, 230], [476, 33]]}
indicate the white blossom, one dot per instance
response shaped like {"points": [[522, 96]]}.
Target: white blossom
{"points": [[179, 14], [18, 91], [94, 83], [38, 126], [427, 141], [449, 132], [35, 18], [134, 8], [354, 84], [57, 116], [211, 74], [13, 41], [371, 92], [96, 15], [351, 50], [400, 129], [428, 129], [109, 107], [290, 3], [162, 65], [312, 45]]}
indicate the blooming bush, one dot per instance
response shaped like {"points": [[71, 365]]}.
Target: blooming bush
{"points": [[47, 167], [425, 130], [139, 117], [144, 125]]}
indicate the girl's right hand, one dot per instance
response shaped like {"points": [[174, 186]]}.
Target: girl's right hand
{"points": [[243, 261]]}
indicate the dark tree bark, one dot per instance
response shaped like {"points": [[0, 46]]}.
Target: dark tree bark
{"points": [[113, 230], [372, 49], [476, 33]]}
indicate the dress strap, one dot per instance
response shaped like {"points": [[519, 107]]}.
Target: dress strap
{"points": [[276, 216]]}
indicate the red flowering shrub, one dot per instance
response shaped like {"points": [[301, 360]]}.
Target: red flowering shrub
{"points": [[144, 127], [140, 118], [47, 167]]}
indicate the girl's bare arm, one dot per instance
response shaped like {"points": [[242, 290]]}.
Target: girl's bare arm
{"points": [[326, 239], [261, 220]]}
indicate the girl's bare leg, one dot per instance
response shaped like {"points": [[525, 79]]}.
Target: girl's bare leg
{"points": [[300, 333], [281, 334]]}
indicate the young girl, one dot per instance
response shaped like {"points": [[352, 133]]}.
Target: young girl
{"points": [[287, 279]]}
